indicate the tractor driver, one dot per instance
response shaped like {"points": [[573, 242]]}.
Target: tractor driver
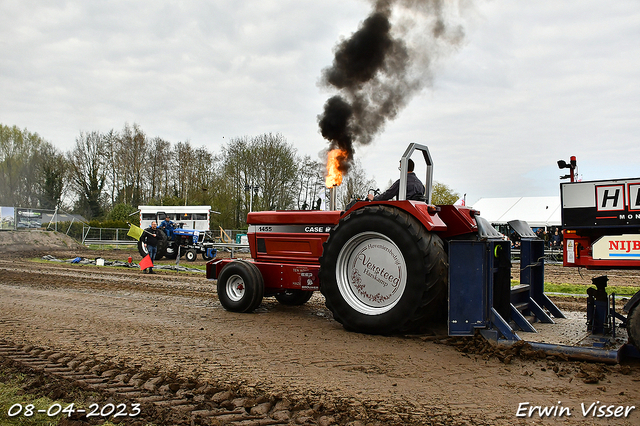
{"points": [[167, 225], [415, 188]]}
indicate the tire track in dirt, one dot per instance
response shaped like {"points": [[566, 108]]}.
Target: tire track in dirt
{"points": [[161, 397], [173, 322]]}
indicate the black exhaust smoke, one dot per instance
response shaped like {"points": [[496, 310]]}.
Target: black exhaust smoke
{"points": [[380, 67]]}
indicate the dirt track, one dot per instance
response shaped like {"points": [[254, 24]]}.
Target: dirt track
{"points": [[296, 361]]}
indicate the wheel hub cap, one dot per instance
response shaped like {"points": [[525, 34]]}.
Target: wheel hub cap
{"points": [[371, 273], [235, 288]]}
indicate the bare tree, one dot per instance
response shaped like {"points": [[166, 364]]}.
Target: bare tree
{"points": [[132, 155], [355, 185], [52, 176], [310, 182], [236, 167], [88, 175], [183, 160], [113, 164], [275, 167], [160, 175], [18, 161], [202, 172]]}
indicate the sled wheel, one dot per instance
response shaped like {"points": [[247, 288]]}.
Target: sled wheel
{"points": [[382, 272], [633, 326], [294, 297], [191, 255], [240, 287]]}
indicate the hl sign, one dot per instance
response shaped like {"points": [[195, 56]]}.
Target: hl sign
{"points": [[619, 198]]}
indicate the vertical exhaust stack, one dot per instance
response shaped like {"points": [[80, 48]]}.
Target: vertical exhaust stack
{"points": [[334, 175], [333, 198]]}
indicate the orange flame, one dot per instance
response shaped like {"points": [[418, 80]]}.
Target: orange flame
{"points": [[334, 175]]}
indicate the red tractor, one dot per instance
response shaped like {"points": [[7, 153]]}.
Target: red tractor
{"points": [[381, 266], [387, 267]]}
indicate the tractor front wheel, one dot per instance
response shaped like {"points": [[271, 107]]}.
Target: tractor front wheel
{"points": [[240, 287], [191, 255], [382, 272]]}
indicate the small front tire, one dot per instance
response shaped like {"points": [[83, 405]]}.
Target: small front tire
{"points": [[191, 255], [240, 287]]}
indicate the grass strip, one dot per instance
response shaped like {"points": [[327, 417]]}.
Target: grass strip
{"points": [[622, 291], [11, 395]]}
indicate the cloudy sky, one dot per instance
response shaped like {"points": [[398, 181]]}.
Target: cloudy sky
{"points": [[531, 83]]}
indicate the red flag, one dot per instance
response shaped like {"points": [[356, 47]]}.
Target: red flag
{"points": [[146, 263]]}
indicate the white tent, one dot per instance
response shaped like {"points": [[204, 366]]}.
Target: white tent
{"points": [[536, 211]]}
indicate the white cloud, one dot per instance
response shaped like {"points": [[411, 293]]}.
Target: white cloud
{"points": [[534, 82]]}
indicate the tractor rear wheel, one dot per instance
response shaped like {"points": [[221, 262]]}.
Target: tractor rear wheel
{"points": [[382, 272], [162, 245], [633, 326], [173, 249], [294, 297], [142, 249], [240, 286]]}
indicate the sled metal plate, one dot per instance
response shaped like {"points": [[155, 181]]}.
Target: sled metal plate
{"points": [[467, 287], [522, 228], [486, 230]]}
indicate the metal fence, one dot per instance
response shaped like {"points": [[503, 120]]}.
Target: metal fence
{"points": [[551, 256], [118, 236], [106, 236]]}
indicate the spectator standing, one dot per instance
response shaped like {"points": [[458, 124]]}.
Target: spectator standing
{"points": [[150, 240], [556, 239]]}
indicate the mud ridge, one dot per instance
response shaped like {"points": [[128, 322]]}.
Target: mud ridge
{"points": [[165, 398]]}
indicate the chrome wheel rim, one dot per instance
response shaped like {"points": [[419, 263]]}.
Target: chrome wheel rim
{"points": [[371, 273], [235, 288]]}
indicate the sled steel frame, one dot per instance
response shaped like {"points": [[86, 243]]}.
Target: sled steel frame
{"points": [[477, 294]]}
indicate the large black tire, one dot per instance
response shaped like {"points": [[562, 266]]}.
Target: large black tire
{"points": [[382, 272], [294, 297], [633, 326], [240, 287], [171, 252], [162, 245]]}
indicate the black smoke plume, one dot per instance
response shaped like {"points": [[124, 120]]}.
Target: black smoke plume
{"points": [[382, 66]]}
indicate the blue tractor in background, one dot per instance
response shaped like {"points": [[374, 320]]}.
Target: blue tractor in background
{"points": [[175, 240]]}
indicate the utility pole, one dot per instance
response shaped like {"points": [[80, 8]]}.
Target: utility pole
{"points": [[251, 188]]}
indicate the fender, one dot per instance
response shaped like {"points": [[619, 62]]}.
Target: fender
{"points": [[426, 214]]}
